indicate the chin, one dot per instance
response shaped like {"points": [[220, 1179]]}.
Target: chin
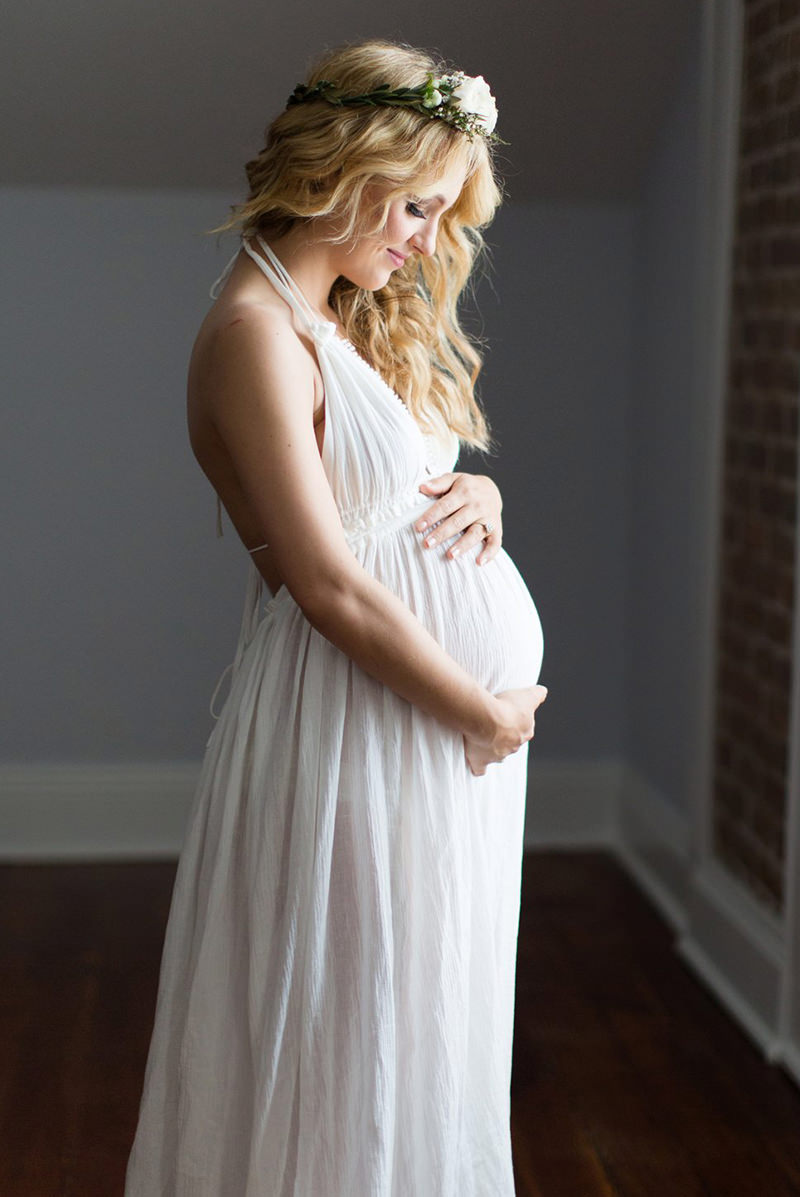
{"points": [[371, 274], [374, 281], [368, 278]]}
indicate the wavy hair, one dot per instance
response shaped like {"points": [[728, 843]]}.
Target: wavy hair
{"points": [[319, 159]]}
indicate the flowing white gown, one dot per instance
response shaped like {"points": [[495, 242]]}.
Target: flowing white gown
{"points": [[336, 995]]}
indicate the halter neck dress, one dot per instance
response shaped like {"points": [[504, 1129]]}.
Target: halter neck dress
{"points": [[336, 993]]}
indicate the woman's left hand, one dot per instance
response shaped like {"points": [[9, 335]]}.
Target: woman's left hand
{"points": [[468, 502]]}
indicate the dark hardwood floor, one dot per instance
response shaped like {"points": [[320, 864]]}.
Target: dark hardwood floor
{"points": [[629, 1078]]}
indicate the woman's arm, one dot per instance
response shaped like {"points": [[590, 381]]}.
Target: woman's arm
{"points": [[256, 381]]}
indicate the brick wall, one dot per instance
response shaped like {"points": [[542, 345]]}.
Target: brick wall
{"points": [[756, 566]]}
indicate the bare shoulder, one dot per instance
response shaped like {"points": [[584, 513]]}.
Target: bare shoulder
{"points": [[244, 345]]}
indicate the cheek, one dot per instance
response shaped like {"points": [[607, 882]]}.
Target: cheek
{"points": [[398, 227]]}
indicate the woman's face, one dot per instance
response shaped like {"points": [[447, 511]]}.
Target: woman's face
{"points": [[411, 226]]}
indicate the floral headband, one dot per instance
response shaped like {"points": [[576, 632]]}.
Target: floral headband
{"points": [[463, 101]]}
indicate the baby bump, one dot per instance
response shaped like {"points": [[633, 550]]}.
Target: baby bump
{"points": [[482, 615], [496, 633]]}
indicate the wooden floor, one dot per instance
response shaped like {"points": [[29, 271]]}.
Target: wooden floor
{"points": [[628, 1079]]}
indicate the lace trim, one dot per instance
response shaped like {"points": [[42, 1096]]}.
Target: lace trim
{"points": [[349, 345], [433, 443], [330, 334]]}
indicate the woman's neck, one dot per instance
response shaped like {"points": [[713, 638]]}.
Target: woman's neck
{"points": [[310, 264]]}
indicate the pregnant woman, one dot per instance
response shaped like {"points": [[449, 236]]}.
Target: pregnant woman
{"points": [[336, 996]]}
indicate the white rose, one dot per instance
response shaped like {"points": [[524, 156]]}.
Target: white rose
{"points": [[474, 96]]}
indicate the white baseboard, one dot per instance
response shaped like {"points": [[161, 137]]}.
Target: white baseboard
{"points": [[51, 812], [652, 842], [737, 946], [74, 813], [94, 812]]}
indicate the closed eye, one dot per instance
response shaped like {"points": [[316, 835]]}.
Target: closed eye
{"points": [[415, 211]]}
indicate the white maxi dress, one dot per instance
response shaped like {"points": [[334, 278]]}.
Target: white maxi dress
{"points": [[336, 993]]}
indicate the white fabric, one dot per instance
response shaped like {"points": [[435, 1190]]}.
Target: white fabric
{"points": [[336, 995]]}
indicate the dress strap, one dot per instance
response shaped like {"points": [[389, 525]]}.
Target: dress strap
{"points": [[285, 285], [283, 282], [217, 283]]}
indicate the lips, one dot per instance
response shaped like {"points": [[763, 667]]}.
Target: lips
{"points": [[397, 258]]}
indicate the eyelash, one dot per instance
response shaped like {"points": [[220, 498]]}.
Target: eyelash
{"points": [[415, 211]]}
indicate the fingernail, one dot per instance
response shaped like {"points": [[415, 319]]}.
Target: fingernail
{"points": [[421, 527]]}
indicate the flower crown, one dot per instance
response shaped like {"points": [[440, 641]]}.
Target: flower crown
{"points": [[463, 101]]}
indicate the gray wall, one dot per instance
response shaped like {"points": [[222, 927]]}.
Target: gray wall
{"points": [[662, 506], [558, 386], [121, 606], [118, 606]]}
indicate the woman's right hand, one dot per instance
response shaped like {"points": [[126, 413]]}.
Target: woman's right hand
{"points": [[514, 725]]}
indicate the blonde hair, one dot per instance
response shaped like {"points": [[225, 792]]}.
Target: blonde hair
{"points": [[319, 159]]}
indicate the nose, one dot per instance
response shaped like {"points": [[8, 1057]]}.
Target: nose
{"points": [[425, 240]]}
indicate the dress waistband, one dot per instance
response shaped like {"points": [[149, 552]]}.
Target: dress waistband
{"points": [[395, 513]]}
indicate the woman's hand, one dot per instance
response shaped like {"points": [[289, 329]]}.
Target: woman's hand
{"points": [[515, 724], [467, 502]]}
